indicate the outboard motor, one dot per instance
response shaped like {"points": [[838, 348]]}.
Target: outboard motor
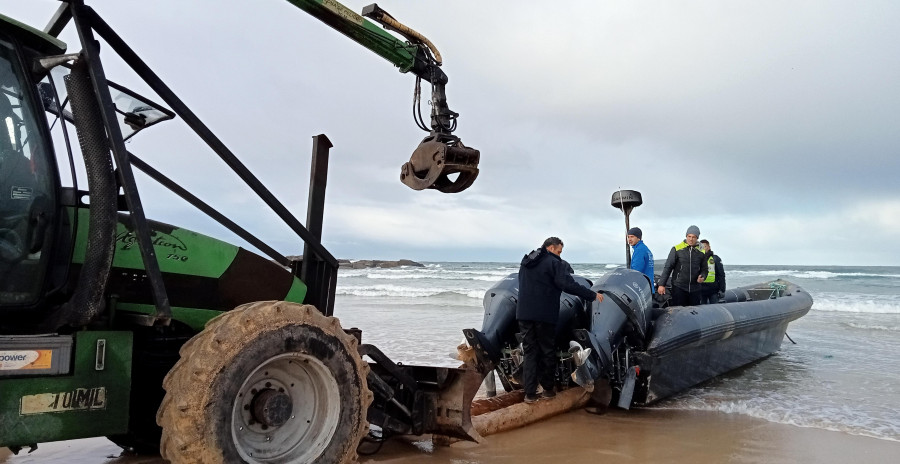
{"points": [[499, 322], [572, 315], [500, 327], [624, 313]]}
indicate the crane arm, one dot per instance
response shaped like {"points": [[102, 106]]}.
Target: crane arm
{"points": [[416, 54], [440, 161], [362, 31]]}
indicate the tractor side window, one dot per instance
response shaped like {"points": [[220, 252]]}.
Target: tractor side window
{"points": [[26, 189]]}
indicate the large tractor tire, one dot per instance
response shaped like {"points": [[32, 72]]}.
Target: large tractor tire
{"points": [[269, 382]]}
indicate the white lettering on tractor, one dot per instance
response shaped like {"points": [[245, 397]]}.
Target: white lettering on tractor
{"points": [[79, 399]]}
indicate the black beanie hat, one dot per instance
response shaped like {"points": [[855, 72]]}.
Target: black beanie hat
{"points": [[636, 232]]}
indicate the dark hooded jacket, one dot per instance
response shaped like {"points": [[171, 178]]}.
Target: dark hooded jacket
{"points": [[688, 262], [543, 276]]}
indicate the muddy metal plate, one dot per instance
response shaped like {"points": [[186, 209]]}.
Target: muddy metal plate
{"points": [[79, 399], [85, 403]]}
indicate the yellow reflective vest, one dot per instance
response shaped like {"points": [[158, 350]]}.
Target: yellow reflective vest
{"points": [[711, 277]]}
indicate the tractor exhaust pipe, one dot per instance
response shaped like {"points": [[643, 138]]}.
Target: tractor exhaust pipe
{"points": [[88, 300]]}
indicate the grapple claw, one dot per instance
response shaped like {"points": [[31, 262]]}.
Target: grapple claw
{"points": [[438, 157]]}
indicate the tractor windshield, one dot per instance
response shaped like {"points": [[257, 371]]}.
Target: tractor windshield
{"points": [[26, 189], [134, 112]]}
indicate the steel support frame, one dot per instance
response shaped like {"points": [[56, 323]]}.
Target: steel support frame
{"points": [[169, 97], [207, 209], [319, 275], [318, 268], [177, 189], [84, 22]]}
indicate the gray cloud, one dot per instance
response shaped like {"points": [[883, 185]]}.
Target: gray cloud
{"points": [[772, 125]]}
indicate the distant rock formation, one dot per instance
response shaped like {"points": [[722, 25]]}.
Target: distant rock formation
{"points": [[369, 263]]}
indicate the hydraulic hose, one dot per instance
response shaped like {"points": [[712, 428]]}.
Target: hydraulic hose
{"points": [[389, 21]]}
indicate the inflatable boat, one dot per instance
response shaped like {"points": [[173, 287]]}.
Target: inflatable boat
{"points": [[631, 350]]}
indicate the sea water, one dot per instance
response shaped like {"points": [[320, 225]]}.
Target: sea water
{"points": [[842, 374]]}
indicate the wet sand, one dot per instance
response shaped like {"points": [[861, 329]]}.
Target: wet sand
{"points": [[656, 436], [652, 435]]}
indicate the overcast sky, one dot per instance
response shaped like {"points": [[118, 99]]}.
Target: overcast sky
{"points": [[773, 126]]}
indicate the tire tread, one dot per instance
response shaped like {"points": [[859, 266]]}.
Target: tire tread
{"points": [[187, 436]]}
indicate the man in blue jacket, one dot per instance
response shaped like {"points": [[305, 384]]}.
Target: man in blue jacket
{"points": [[641, 257], [543, 276]]}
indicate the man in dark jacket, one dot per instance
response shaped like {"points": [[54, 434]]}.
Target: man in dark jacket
{"points": [[714, 286], [543, 276], [690, 266]]}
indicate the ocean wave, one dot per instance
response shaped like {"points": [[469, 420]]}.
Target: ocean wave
{"points": [[856, 305], [444, 276], [414, 273], [807, 274], [406, 292], [855, 325], [499, 271], [476, 294], [833, 419]]}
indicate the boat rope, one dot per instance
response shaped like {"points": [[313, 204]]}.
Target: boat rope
{"points": [[777, 289], [789, 338]]}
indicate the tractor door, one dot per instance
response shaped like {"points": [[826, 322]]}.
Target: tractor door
{"points": [[27, 185]]}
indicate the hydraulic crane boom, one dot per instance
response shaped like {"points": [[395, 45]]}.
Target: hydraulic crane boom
{"points": [[441, 154], [401, 54]]}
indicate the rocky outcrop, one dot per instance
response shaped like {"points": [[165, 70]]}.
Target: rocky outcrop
{"points": [[368, 263]]}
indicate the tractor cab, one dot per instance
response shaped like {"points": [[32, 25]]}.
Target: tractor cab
{"points": [[28, 177], [31, 199]]}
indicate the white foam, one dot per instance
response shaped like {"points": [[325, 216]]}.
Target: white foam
{"points": [[476, 294], [415, 273], [373, 275], [445, 276], [874, 327], [835, 419], [404, 292], [850, 303], [497, 272], [807, 274]]}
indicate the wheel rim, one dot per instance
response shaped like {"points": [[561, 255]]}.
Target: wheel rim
{"points": [[310, 398]]}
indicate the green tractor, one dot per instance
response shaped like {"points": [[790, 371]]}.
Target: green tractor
{"points": [[166, 340]]}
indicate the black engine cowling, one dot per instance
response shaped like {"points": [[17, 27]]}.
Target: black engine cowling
{"points": [[602, 326]]}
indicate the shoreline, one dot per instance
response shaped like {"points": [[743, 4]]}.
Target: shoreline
{"points": [[639, 435]]}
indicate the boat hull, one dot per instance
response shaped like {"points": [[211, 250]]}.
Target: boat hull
{"points": [[642, 352], [690, 345]]}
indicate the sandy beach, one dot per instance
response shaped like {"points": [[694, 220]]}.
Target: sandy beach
{"points": [[654, 436], [649, 435], [817, 401]]}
